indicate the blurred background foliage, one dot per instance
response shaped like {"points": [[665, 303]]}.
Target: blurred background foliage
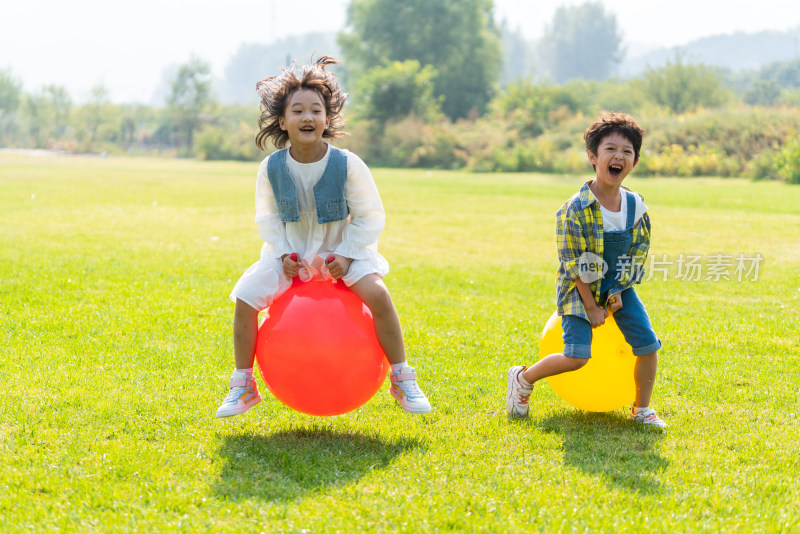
{"points": [[441, 84]]}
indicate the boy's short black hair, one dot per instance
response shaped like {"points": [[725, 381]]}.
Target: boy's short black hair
{"points": [[611, 122]]}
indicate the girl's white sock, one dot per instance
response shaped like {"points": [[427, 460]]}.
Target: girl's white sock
{"points": [[246, 372], [397, 367]]}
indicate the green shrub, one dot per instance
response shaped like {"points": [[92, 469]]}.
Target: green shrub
{"points": [[683, 87], [744, 141], [763, 166], [233, 142], [396, 90], [719, 143], [787, 162]]}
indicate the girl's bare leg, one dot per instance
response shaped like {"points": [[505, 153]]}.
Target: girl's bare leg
{"points": [[373, 292], [245, 332]]}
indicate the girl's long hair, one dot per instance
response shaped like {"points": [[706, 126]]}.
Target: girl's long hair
{"points": [[275, 91]]}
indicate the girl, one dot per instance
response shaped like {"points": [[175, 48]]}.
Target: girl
{"points": [[320, 215]]}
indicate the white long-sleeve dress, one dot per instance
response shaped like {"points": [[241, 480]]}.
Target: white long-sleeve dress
{"points": [[355, 237]]}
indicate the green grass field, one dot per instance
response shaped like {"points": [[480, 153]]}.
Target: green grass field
{"points": [[116, 350]]}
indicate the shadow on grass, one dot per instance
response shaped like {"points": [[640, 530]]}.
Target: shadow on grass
{"points": [[610, 447], [289, 464]]}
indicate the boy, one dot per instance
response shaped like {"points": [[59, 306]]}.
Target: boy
{"points": [[602, 221]]}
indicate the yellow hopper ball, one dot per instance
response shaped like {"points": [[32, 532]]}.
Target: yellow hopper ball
{"points": [[605, 383]]}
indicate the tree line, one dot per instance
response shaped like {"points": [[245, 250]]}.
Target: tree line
{"points": [[430, 86]]}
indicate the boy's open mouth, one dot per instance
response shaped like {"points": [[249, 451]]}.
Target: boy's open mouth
{"points": [[614, 170]]}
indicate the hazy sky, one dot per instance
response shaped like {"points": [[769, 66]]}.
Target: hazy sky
{"points": [[82, 43]]}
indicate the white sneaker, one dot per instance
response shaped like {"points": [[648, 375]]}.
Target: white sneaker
{"points": [[516, 394], [647, 417], [242, 395], [404, 388]]}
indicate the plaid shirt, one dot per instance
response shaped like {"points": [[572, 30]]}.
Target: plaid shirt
{"points": [[579, 229]]}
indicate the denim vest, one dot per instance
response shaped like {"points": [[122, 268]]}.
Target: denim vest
{"points": [[328, 191]]}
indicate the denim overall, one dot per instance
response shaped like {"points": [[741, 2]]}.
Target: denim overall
{"points": [[617, 245], [328, 191]]}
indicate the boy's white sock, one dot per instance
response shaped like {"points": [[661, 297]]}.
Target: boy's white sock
{"points": [[397, 367], [637, 409]]}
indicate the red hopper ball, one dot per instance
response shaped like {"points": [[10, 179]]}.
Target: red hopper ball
{"points": [[317, 349]]}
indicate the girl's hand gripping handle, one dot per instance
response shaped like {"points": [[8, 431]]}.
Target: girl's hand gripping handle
{"points": [[338, 266], [290, 265]]}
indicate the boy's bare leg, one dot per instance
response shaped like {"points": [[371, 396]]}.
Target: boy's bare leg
{"points": [[551, 365], [644, 374]]}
